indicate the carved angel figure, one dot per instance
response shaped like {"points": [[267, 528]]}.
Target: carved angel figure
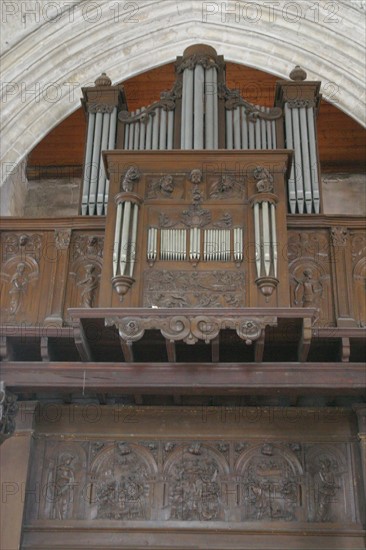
{"points": [[89, 284], [19, 284], [311, 290], [64, 483]]}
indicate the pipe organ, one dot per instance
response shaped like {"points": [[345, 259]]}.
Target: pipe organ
{"points": [[201, 113], [173, 207]]}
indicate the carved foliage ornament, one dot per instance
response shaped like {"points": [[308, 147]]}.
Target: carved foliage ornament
{"points": [[167, 103], [340, 236], [206, 60], [233, 100], [8, 411], [62, 238], [103, 108]]}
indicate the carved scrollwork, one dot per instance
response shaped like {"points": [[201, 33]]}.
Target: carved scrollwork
{"points": [[167, 102], [177, 328], [205, 328], [207, 61], [225, 186], [233, 99], [249, 330], [130, 329], [131, 176]]}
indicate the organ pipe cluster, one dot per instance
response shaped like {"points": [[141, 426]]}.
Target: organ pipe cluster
{"points": [[125, 240], [265, 233]]}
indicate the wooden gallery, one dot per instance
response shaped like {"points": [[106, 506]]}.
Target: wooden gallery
{"points": [[183, 355]]}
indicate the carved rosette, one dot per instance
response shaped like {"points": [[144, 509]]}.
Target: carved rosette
{"points": [[190, 329]]}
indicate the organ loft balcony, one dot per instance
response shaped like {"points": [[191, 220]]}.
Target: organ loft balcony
{"points": [[201, 261]]}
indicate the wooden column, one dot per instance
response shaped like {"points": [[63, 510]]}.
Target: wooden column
{"points": [[59, 276], [14, 460], [342, 276], [360, 410]]}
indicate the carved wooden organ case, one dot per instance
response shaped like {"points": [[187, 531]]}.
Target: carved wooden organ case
{"points": [[197, 188]]}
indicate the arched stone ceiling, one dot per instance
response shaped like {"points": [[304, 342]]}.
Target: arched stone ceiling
{"points": [[45, 64]]}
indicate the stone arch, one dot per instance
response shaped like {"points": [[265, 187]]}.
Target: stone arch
{"points": [[43, 89]]}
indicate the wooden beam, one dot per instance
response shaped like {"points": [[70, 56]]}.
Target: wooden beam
{"points": [[171, 351], [4, 351], [81, 343], [215, 349], [187, 378], [305, 340], [127, 350], [259, 348], [45, 354], [345, 350]]}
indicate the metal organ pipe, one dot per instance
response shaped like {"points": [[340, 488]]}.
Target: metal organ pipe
{"points": [[210, 106], [298, 160], [313, 159], [199, 94], [305, 160], [88, 163], [290, 145], [95, 163], [102, 176]]}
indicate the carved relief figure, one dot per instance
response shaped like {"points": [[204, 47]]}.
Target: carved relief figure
{"points": [[132, 175], [311, 290], [164, 187], [223, 187], [121, 488], [89, 285], [326, 490], [195, 492], [64, 487], [196, 176], [19, 284]]}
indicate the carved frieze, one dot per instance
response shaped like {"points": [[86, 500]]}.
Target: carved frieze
{"points": [[224, 186], [100, 108], [190, 329], [190, 480], [193, 289], [162, 187]]}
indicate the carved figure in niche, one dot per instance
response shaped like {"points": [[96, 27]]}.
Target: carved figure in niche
{"points": [[8, 411], [89, 284], [196, 176], [19, 284], [312, 290], [64, 487], [327, 490], [195, 492], [222, 187]]}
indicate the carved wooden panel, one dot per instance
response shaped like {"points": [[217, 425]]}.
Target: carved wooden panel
{"points": [[310, 273], [358, 244], [195, 217], [192, 480], [84, 270], [27, 260]]}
